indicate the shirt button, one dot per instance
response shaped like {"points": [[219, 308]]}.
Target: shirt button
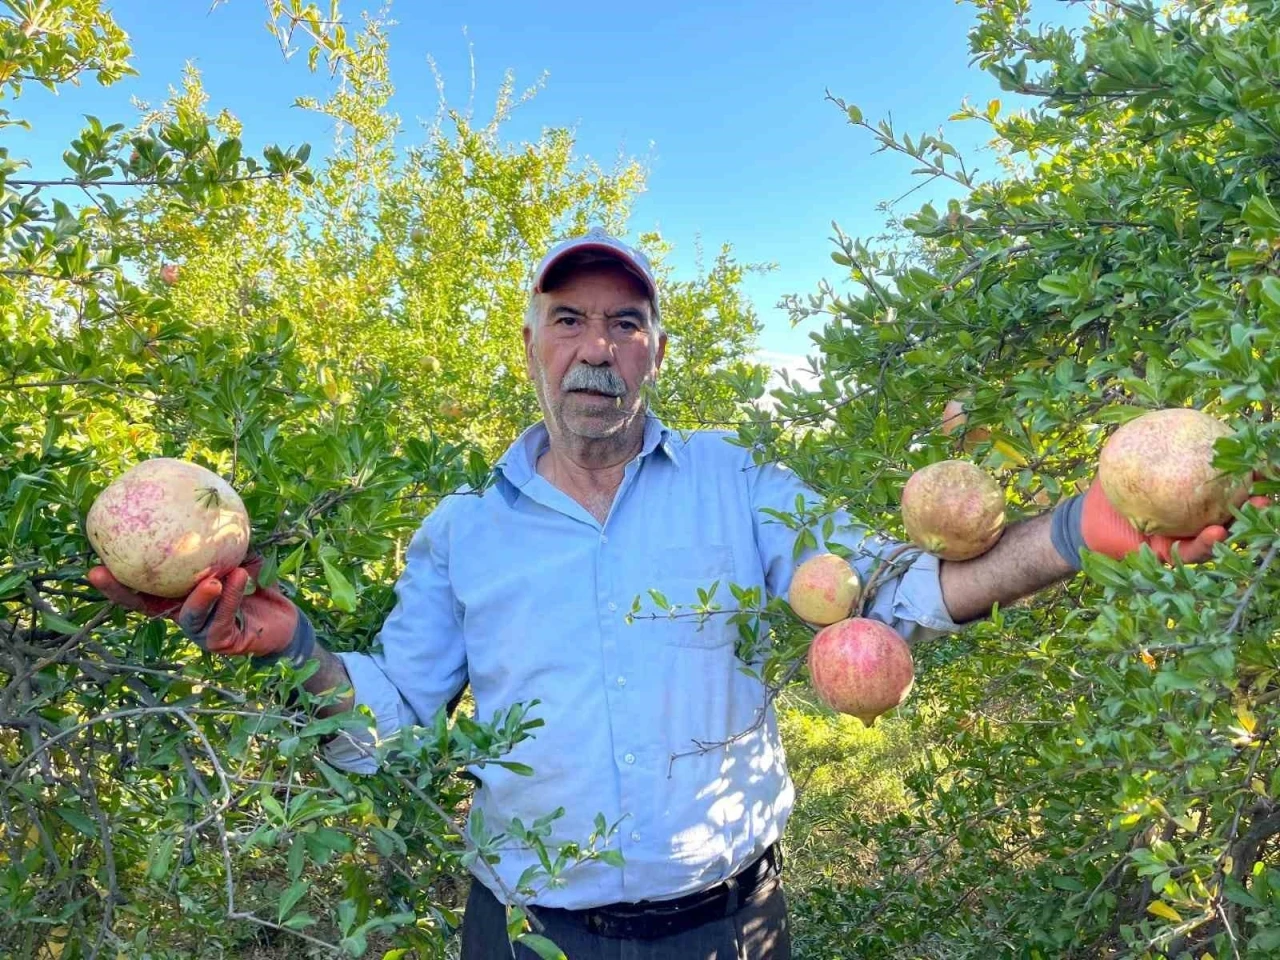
{"points": [[635, 835], [630, 758], [604, 538], [622, 681], [612, 606]]}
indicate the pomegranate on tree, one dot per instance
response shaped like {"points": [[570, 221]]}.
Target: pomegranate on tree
{"points": [[166, 524], [860, 667], [955, 418], [824, 589], [1158, 473], [953, 509]]}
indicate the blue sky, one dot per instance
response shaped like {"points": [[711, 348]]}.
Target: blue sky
{"points": [[725, 102]]}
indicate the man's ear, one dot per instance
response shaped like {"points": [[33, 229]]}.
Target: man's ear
{"points": [[528, 349], [662, 351]]}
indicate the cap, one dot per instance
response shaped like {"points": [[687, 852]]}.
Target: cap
{"points": [[596, 240]]}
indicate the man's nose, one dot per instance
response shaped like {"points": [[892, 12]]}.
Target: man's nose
{"points": [[597, 348]]}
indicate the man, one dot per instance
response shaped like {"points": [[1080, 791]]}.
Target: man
{"points": [[523, 591]]}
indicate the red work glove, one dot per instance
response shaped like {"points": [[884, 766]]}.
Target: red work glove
{"points": [[220, 618], [1091, 521]]}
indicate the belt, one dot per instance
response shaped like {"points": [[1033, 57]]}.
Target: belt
{"points": [[652, 919]]}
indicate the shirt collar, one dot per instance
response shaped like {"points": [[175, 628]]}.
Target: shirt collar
{"points": [[519, 464]]}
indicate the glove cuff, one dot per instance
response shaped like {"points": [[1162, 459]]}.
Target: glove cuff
{"points": [[1067, 530], [301, 646]]}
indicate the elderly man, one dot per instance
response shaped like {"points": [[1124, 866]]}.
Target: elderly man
{"points": [[523, 591]]}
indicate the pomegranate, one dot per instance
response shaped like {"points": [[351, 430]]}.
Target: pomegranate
{"points": [[860, 667], [169, 274], [953, 509], [955, 418], [1157, 471], [165, 524], [824, 589]]}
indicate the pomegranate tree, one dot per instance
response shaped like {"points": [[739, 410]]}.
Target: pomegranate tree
{"points": [[860, 667], [165, 524]]}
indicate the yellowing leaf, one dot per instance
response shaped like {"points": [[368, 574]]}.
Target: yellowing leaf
{"points": [[1148, 659], [1246, 717], [1009, 452], [1161, 909]]}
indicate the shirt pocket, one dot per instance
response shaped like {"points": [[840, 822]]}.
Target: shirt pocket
{"points": [[678, 574]]}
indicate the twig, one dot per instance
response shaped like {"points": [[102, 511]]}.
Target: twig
{"points": [[1231, 934], [1238, 614], [151, 182], [254, 918], [888, 569], [509, 896], [77, 382], [1219, 867], [771, 694]]}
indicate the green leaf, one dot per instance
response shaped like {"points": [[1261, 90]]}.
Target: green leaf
{"points": [[1269, 287], [272, 806], [612, 857], [291, 562], [289, 899], [57, 624], [1057, 285], [854, 114], [1268, 939], [83, 823], [341, 592], [1260, 214], [345, 788], [297, 858], [540, 945], [388, 842], [1245, 257], [10, 584], [523, 769], [161, 857]]}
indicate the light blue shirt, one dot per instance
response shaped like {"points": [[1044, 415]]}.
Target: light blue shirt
{"points": [[524, 593]]}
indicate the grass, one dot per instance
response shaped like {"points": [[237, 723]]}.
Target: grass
{"points": [[846, 775]]}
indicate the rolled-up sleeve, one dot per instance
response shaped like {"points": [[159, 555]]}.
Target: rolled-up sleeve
{"points": [[911, 602], [419, 663]]}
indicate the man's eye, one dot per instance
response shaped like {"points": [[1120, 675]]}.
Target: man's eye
{"points": [[629, 325], [567, 320]]}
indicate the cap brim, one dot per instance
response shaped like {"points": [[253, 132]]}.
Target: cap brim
{"points": [[612, 252]]}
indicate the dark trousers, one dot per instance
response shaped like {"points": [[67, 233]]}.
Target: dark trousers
{"points": [[756, 931]]}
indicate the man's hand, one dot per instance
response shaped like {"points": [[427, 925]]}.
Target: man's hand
{"points": [[1102, 529], [219, 617]]}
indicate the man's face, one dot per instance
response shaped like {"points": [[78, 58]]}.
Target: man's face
{"points": [[593, 351]]}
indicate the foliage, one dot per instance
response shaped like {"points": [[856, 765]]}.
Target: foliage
{"points": [[269, 317], [1099, 773]]}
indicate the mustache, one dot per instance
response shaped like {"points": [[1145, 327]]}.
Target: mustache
{"points": [[604, 380]]}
